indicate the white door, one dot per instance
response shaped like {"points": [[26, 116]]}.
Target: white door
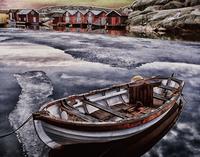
{"points": [[79, 18], [90, 18], [67, 18], [34, 19], [103, 21], [11, 17]]}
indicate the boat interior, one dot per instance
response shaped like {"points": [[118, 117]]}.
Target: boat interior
{"points": [[118, 103]]}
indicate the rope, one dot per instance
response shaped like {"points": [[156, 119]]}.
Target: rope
{"points": [[12, 132], [183, 96]]}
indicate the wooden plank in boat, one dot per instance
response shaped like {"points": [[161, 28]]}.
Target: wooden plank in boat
{"points": [[77, 113], [107, 116], [176, 80], [104, 116], [159, 97], [167, 88], [106, 109]]}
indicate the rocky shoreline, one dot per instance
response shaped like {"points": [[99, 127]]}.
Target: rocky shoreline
{"points": [[164, 16]]}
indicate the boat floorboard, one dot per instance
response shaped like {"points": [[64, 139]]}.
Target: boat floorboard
{"points": [[106, 116], [126, 109]]}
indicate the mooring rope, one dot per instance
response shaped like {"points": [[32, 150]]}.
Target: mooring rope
{"points": [[12, 132]]}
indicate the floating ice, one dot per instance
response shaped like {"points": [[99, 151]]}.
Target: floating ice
{"points": [[36, 89]]}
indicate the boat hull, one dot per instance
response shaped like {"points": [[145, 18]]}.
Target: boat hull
{"points": [[56, 137], [132, 146]]}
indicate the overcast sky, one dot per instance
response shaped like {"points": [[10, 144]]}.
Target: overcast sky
{"points": [[7, 4]]}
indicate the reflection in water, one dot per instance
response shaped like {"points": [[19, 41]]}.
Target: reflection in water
{"points": [[114, 32], [191, 36], [30, 27], [90, 30]]}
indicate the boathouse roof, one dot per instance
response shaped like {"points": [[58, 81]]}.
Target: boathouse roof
{"points": [[25, 11], [96, 12], [114, 12], [14, 10], [72, 12], [83, 11]]}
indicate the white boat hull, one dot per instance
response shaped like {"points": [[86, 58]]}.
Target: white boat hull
{"points": [[55, 137]]}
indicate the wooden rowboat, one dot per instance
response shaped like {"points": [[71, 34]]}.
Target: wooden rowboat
{"points": [[111, 114]]}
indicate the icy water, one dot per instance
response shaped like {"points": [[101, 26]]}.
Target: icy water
{"points": [[36, 67]]}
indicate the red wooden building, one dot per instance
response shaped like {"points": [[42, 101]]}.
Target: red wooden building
{"points": [[28, 16], [114, 18], [13, 14], [91, 17], [102, 18], [96, 17], [58, 19], [83, 15], [70, 17]]}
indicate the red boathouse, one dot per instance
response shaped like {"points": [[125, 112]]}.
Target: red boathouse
{"points": [[28, 16], [114, 18], [96, 17], [58, 19], [70, 17]]}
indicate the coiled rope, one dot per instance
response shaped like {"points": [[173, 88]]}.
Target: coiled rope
{"points": [[12, 132]]}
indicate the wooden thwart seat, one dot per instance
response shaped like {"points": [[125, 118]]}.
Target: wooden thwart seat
{"points": [[159, 97], [77, 113], [106, 109], [168, 88]]}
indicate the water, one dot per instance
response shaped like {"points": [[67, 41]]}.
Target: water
{"points": [[187, 36], [36, 67]]}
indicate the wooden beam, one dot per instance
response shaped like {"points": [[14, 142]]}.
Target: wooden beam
{"points": [[77, 113], [159, 97], [106, 109], [168, 88]]}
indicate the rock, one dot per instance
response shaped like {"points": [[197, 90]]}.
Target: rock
{"points": [[165, 15], [135, 13], [152, 8], [196, 12], [142, 4], [141, 29], [173, 5], [162, 2], [192, 2]]}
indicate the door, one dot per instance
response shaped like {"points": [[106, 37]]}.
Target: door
{"points": [[90, 18], [113, 21], [79, 18], [103, 21], [67, 18], [34, 20], [11, 17]]}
